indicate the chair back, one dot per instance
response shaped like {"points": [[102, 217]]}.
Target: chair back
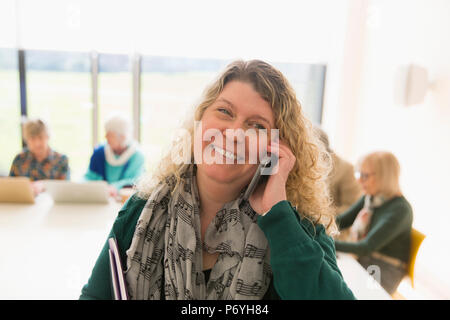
{"points": [[416, 240]]}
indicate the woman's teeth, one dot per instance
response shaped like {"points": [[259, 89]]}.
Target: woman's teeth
{"points": [[225, 153]]}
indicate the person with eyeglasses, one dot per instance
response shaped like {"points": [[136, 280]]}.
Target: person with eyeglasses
{"points": [[380, 222]]}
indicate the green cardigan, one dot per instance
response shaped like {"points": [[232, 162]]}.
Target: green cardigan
{"points": [[302, 257], [389, 229]]}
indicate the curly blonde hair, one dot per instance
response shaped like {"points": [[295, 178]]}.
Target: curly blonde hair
{"points": [[307, 186]]}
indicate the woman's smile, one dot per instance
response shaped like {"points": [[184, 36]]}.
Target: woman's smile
{"points": [[227, 154]]}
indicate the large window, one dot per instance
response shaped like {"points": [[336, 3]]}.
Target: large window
{"points": [[10, 135], [114, 89], [170, 88], [308, 81], [61, 87], [59, 91]]}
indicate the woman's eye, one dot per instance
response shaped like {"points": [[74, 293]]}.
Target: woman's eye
{"points": [[224, 111], [258, 126]]}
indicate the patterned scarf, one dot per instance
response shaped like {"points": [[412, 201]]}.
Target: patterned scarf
{"points": [[116, 161], [166, 249], [360, 226]]}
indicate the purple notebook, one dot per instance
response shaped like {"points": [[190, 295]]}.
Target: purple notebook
{"points": [[117, 276]]}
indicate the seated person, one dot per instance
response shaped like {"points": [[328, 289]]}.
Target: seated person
{"points": [[37, 160], [198, 238], [380, 222], [118, 162]]}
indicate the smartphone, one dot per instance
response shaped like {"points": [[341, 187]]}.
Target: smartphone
{"points": [[262, 174]]}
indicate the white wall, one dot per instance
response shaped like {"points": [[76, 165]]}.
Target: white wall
{"points": [[285, 30], [397, 33]]}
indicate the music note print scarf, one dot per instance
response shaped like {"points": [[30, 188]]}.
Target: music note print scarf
{"points": [[166, 250]]}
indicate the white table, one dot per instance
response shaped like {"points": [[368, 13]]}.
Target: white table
{"points": [[363, 286], [48, 250]]}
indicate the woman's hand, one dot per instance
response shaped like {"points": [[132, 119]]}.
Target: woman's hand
{"points": [[269, 193], [112, 191], [37, 187]]}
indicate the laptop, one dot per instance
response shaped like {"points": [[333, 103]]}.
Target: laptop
{"points": [[16, 190], [63, 191]]}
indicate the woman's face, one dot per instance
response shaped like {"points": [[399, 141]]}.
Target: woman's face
{"points": [[239, 106], [368, 179], [115, 141], [38, 145]]}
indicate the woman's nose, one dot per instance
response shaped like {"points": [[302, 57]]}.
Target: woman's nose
{"points": [[235, 132]]}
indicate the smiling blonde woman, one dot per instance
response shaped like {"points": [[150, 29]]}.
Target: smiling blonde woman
{"points": [[188, 233], [380, 222]]}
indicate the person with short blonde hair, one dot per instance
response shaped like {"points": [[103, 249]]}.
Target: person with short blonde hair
{"points": [[386, 168], [196, 230], [34, 127], [380, 222], [37, 160]]}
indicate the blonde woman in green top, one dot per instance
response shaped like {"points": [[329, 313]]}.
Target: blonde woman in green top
{"points": [[380, 222], [191, 233]]}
